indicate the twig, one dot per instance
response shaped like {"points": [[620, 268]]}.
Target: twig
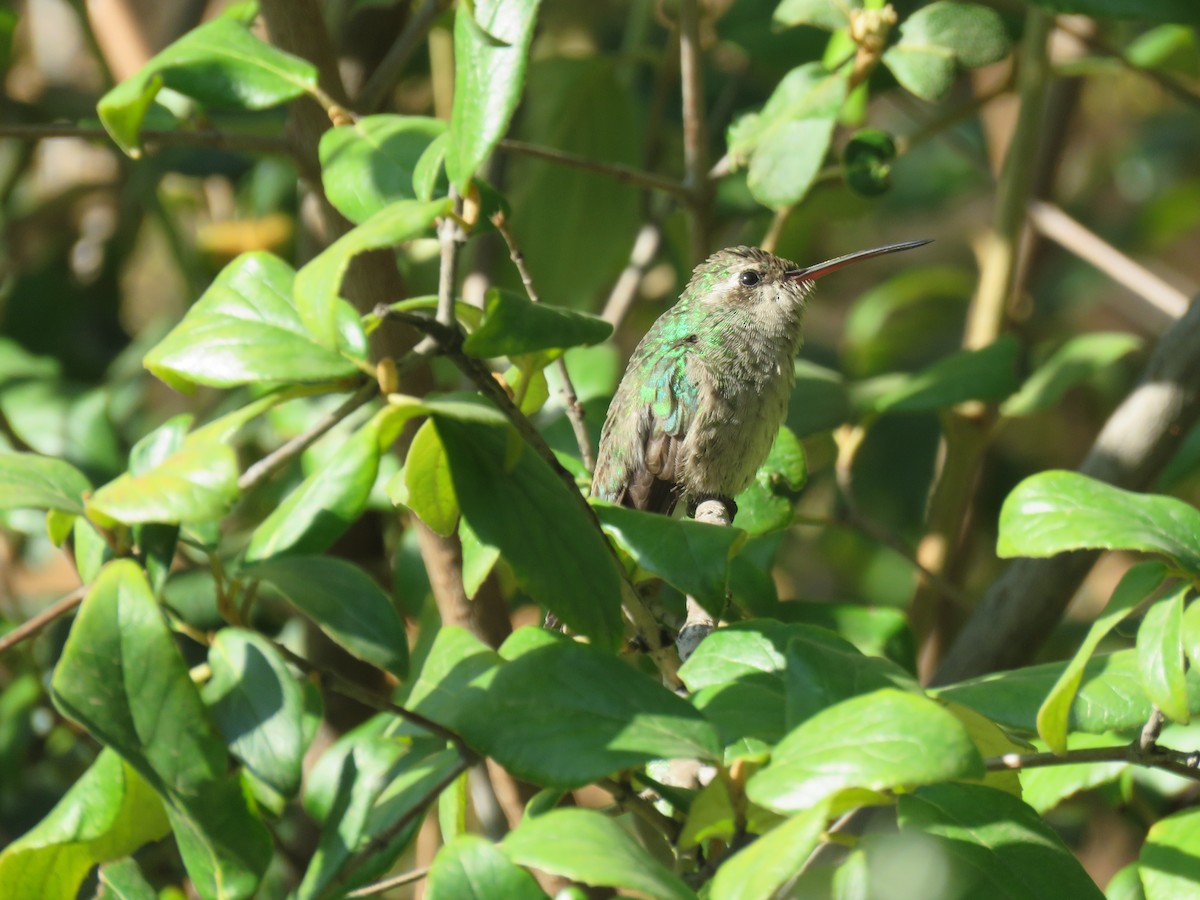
{"points": [[1155, 756], [1148, 737], [32, 626], [625, 290], [251, 143], [384, 78], [387, 884], [615, 171], [1068, 233], [695, 149], [570, 399], [276, 459]]}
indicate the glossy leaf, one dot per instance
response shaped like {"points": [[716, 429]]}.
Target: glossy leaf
{"points": [[345, 603], [1110, 696], [566, 714], [1075, 362], [987, 374], [1052, 512], [320, 510], [587, 846], [1161, 657], [259, 707], [491, 50], [319, 283], [691, 556], [472, 868], [513, 325], [220, 64], [886, 739], [370, 163], [30, 481], [1002, 848], [429, 489], [543, 533], [195, 483], [937, 39], [245, 329], [123, 880], [1170, 859], [1137, 584], [108, 813], [758, 872]]}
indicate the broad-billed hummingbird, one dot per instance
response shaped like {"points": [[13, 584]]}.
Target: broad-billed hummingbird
{"points": [[707, 388]]}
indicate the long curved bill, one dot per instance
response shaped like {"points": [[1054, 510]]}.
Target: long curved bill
{"points": [[811, 273]]}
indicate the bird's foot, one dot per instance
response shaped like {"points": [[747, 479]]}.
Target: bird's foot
{"points": [[694, 504]]}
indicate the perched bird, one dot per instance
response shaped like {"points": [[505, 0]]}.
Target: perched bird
{"points": [[707, 388]]}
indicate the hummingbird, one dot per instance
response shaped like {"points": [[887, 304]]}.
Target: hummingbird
{"points": [[707, 388]]}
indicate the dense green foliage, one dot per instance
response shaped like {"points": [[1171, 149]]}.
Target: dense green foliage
{"points": [[308, 507]]}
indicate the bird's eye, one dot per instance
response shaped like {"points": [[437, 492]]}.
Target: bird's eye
{"points": [[750, 278]]}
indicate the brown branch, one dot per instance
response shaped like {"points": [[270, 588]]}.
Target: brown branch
{"points": [[32, 626], [279, 457], [1182, 763], [624, 174], [574, 408], [387, 884], [645, 246], [695, 145], [224, 140]]}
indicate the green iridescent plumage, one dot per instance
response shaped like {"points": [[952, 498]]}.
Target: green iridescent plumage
{"points": [[707, 388]]}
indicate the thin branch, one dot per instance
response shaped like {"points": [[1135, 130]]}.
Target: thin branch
{"points": [[32, 626], [388, 72], [695, 147], [1070, 234], [615, 171], [387, 884], [1180, 762], [575, 413], [224, 140], [275, 460], [645, 245]]}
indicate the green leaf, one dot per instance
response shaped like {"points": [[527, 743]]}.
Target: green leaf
{"points": [[320, 510], [245, 329], [1110, 696], [108, 813], [258, 706], [370, 163], [1170, 858], [587, 846], [220, 64], [1137, 584], [766, 505], [1052, 512], [566, 714], [478, 558], [522, 507], [429, 489], [937, 39], [1044, 787], [194, 484], [513, 325], [29, 481], [1002, 848], [318, 284], [1126, 884], [122, 677], [867, 160], [886, 739], [472, 868], [376, 790], [123, 880], [1161, 657], [712, 815], [875, 631], [1184, 12], [987, 374], [345, 603], [787, 141], [820, 673], [491, 49], [458, 663], [827, 14], [760, 870], [819, 402], [1075, 362], [691, 556], [1191, 633]]}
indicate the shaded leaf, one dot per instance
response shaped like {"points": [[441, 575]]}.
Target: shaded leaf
{"points": [[1161, 657], [828, 14], [472, 868], [30, 481], [937, 39], [1184, 12], [987, 374], [513, 325], [1078, 360], [760, 870]]}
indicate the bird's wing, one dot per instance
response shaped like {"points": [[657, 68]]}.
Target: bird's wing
{"points": [[645, 475]]}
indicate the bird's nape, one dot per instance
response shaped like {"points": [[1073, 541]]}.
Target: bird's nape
{"points": [[811, 273]]}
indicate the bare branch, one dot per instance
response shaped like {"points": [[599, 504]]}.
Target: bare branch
{"points": [[205, 137], [387, 884], [615, 171], [32, 626], [384, 78], [695, 146]]}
